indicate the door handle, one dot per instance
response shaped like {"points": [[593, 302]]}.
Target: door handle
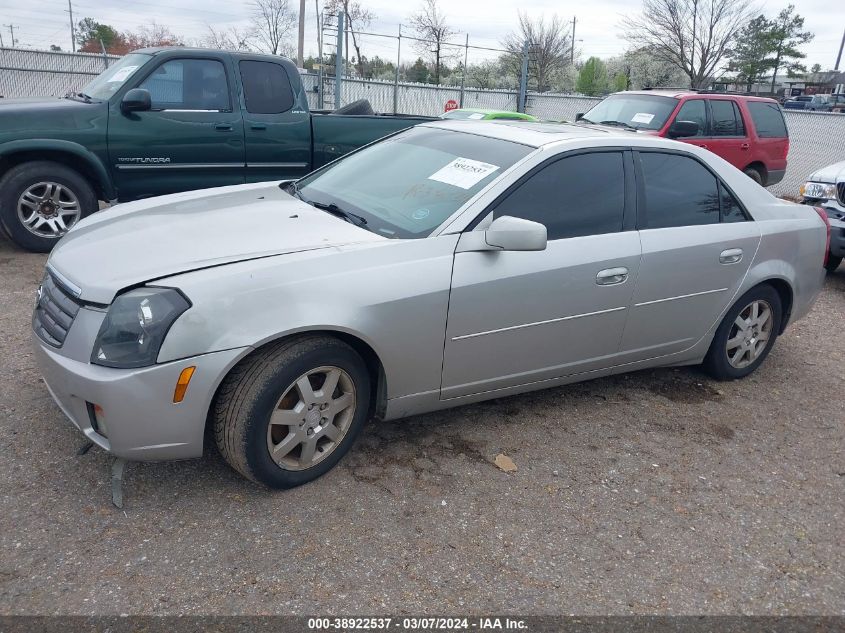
{"points": [[612, 276], [745, 146], [223, 127], [258, 126], [730, 256]]}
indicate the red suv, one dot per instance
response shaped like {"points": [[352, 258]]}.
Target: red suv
{"points": [[748, 132]]}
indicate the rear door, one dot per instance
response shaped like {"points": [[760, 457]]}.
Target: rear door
{"points": [[697, 245], [728, 137], [277, 130], [192, 138]]}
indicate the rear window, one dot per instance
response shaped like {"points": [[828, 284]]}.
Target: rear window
{"points": [[768, 119]]}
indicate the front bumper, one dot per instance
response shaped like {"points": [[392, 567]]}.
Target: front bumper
{"points": [[142, 422]]}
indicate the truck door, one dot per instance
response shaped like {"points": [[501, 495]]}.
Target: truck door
{"points": [[277, 129], [728, 133], [191, 138]]}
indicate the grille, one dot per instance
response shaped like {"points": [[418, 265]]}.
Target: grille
{"points": [[840, 192], [54, 312]]}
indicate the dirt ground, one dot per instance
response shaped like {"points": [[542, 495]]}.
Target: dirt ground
{"points": [[656, 492]]}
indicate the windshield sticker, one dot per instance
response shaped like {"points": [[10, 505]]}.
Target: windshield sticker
{"points": [[463, 172], [421, 214], [123, 74], [642, 117]]}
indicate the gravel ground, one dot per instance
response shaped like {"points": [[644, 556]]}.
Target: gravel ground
{"points": [[656, 492]]}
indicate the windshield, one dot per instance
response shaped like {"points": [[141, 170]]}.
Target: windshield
{"points": [[406, 186], [643, 112], [110, 80]]}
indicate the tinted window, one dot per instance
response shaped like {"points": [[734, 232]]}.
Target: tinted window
{"points": [[731, 211], [188, 84], [679, 191], [266, 87], [579, 195], [768, 119], [694, 110], [726, 119]]}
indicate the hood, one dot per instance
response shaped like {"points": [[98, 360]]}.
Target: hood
{"points": [[832, 173], [57, 117], [136, 242]]}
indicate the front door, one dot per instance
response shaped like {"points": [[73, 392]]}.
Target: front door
{"points": [[192, 138], [277, 128], [522, 317], [697, 246]]}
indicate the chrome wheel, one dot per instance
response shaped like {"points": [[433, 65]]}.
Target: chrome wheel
{"points": [[311, 418], [48, 209], [750, 334]]}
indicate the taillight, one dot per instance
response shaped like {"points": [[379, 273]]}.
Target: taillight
{"points": [[823, 215], [786, 149]]}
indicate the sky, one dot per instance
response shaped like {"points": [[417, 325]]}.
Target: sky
{"points": [[39, 23]]}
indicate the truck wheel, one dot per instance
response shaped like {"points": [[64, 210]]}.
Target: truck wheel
{"points": [[746, 335], [832, 263], [287, 414], [40, 201], [755, 175]]}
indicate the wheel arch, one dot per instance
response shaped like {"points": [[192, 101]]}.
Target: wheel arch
{"points": [[760, 168], [72, 155]]}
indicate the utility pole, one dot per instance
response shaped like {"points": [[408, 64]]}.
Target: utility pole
{"points": [[396, 78], [12, 31], [300, 51], [839, 56], [464, 73], [338, 60], [72, 33], [523, 80], [572, 51]]}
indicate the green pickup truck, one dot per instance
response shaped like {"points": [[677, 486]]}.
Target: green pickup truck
{"points": [[162, 121]]}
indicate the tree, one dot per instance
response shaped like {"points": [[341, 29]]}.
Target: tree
{"points": [[484, 75], [786, 36], [418, 73], [592, 80], [694, 35], [153, 34], [620, 82], [750, 57], [356, 18], [93, 37], [55, 48], [549, 48], [273, 21], [231, 39], [816, 68], [430, 25]]}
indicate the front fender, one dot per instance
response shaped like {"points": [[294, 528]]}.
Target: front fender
{"points": [[76, 150]]}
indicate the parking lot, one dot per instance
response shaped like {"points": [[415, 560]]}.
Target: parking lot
{"points": [[656, 492]]}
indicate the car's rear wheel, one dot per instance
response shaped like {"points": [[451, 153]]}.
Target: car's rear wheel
{"points": [[288, 414], [40, 201], [832, 263], [746, 335], [754, 174]]}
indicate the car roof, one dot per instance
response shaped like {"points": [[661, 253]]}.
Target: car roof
{"points": [[679, 93], [530, 133]]}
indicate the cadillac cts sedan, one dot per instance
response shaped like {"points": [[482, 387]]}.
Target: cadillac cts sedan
{"points": [[447, 264]]}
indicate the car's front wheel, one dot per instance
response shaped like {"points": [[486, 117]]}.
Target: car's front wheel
{"points": [[288, 413], [746, 335]]}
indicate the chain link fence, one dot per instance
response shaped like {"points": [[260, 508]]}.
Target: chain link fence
{"points": [[815, 137]]}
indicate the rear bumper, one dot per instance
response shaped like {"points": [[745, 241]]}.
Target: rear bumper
{"points": [[141, 421]]}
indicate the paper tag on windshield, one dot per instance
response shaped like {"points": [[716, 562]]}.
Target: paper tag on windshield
{"points": [[123, 74], [642, 117], [463, 172]]}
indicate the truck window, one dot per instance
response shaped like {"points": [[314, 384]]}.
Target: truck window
{"points": [[767, 119], [726, 119], [694, 110], [266, 87], [189, 84]]}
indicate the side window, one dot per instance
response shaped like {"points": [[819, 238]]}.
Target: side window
{"points": [[694, 110], [266, 87], [188, 84], [679, 191], [731, 210], [725, 118], [740, 124], [768, 119], [574, 196]]}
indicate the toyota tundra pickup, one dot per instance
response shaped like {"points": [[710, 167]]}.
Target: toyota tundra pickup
{"points": [[162, 121]]}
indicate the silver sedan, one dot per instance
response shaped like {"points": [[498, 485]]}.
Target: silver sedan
{"points": [[447, 264]]}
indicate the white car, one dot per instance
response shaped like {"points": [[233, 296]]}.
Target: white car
{"points": [[826, 189]]}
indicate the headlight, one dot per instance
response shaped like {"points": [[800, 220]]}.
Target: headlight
{"points": [[817, 190], [135, 327]]}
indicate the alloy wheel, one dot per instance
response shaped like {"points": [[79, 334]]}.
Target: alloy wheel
{"points": [[750, 334], [48, 209]]}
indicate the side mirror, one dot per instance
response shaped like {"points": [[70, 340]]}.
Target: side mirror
{"points": [[136, 100], [505, 234], [683, 128], [579, 116]]}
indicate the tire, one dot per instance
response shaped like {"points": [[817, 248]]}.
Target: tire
{"points": [[718, 362], [267, 384], [54, 211], [755, 175], [361, 107], [832, 263]]}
